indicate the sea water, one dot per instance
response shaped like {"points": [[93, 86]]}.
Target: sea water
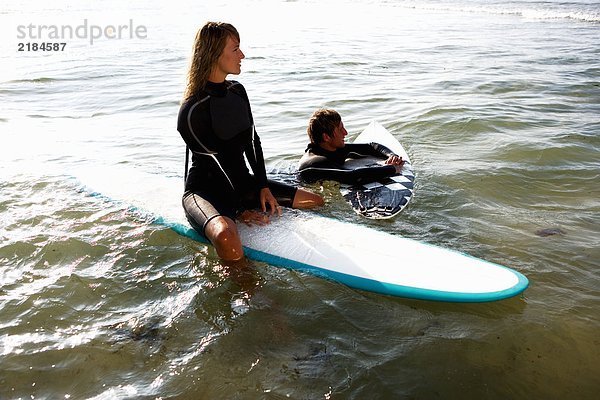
{"points": [[497, 103]]}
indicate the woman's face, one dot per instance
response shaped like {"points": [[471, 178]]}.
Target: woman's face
{"points": [[230, 60]]}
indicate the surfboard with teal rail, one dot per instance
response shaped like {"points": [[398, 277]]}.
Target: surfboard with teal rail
{"points": [[349, 253]]}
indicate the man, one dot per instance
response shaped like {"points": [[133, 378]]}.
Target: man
{"points": [[327, 152]]}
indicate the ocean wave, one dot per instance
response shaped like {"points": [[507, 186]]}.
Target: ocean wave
{"points": [[554, 14], [537, 11], [34, 80]]}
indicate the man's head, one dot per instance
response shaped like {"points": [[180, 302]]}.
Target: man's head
{"points": [[326, 129]]}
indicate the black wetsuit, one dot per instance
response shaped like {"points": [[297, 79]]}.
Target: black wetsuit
{"points": [[218, 127], [319, 164]]}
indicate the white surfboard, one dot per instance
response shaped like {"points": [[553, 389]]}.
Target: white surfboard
{"points": [[385, 198], [354, 255]]}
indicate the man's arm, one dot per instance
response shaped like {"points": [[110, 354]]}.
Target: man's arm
{"points": [[369, 149], [375, 150], [322, 169]]}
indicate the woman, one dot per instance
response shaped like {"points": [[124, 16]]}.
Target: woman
{"points": [[216, 123]]}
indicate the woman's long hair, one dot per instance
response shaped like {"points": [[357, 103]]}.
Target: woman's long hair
{"points": [[208, 46]]}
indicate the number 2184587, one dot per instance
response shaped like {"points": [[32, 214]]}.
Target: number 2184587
{"points": [[44, 46]]}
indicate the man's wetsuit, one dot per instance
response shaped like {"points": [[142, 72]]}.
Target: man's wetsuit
{"points": [[320, 164], [218, 127]]}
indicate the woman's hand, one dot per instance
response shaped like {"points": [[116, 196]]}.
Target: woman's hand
{"points": [[267, 197], [253, 217]]}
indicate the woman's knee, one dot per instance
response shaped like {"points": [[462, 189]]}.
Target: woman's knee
{"points": [[306, 199], [222, 233]]}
